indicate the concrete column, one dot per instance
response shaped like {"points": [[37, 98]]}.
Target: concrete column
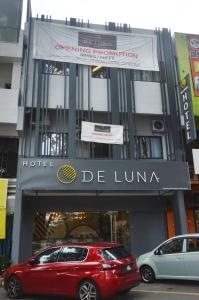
{"points": [[179, 213], [16, 234], [26, 230]]}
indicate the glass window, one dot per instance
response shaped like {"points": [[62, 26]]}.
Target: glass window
{"points": [[99, 150], [5, 75], [150, 147], [56, 68], [73, 254], [141, 75], [54, 144], [115, 253], [173, 246], [57, 227], [192, 244], [48, 256]]}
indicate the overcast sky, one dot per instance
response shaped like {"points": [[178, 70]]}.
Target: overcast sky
{"points": [[178, 15]]}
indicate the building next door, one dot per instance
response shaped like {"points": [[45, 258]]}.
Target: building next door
{"points": [[81, 227]]}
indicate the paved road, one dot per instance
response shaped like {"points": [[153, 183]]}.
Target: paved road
{"points": [[161, 290]]}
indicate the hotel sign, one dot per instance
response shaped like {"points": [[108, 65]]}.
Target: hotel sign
{"points": [[109, 175], [186, 104]]}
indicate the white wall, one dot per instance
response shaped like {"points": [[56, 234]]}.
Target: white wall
{"points": [[147, 94], [56, 91], [9, 103], [98, 94], [148, 97]]}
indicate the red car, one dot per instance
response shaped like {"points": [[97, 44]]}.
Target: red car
{"points": [[83, 271]]}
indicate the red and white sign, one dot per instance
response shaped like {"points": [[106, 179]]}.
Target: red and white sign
{"points": [[102, 133], [59, 42]]}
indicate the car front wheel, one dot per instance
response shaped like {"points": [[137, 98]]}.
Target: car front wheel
{"points": [[88, 291], [14, 288], [147, 274]]}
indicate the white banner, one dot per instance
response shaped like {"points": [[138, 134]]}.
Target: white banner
{"points": [[195, 153], [92, 47], [102, 133]]}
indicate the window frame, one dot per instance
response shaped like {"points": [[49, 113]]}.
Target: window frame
{"points": [[45, 149], [172, 241], [149, 139], [145, 75], [47, 64]]}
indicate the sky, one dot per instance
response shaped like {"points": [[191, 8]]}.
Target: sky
{"points": [[177, 15]]}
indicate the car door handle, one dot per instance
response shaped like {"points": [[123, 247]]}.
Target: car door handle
{"points": [[49, 269], [178, 259], [76, 268]]}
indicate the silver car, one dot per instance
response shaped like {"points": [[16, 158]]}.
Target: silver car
{"points": [[176, 258]]}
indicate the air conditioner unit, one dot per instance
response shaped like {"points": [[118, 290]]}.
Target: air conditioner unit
{"points": [[157, 125]]}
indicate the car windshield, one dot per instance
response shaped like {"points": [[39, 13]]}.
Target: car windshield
{"points": [[115, 253]]}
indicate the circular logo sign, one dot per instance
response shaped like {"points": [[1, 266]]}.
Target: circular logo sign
{"points": [[194, 43], [66, 174]]}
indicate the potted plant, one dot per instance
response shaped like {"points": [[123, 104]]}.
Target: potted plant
{"points": [[4, 263]]}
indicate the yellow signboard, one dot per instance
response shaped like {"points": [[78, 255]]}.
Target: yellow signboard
{"points": [[2, 223], [3, 197], [3, 192]]}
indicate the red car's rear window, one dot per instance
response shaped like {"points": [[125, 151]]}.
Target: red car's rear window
{"points": [[114, 253]]}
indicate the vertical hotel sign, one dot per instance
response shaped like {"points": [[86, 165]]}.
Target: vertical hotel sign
{"points": [[186, 104], [3, 198], [193, 46]]}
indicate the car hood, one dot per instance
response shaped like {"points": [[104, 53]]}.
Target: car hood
{"points": [[144, 256]]}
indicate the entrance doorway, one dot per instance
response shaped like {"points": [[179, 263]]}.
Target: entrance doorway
{"points": [[81, 227]]}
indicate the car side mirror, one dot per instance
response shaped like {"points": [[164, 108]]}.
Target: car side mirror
{"points": [[31, 261], [158, 251]]}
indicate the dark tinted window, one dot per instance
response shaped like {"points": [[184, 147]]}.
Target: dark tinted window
{"points": [[73, 254], [48, 256], [173, 246], [115, 253], [192, 244]]}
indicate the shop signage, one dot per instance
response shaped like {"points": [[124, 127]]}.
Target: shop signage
{"points": [[3, 198], [193, 46], [186, 104], [60, 174], [59, 42], [195, 153], [102, 133]]}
